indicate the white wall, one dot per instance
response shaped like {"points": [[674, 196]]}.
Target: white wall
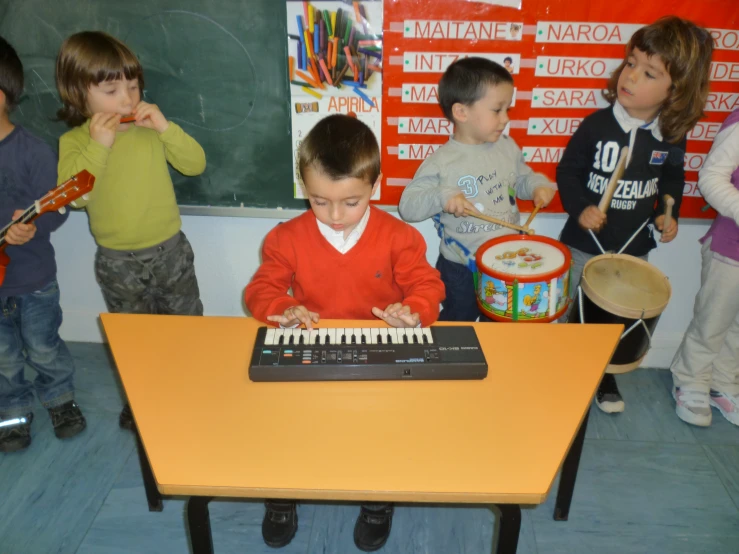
{"points": [[227, 254]]}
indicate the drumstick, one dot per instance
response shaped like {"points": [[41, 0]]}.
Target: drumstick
{"points": [[499, 222], [605, 202], [532, 216], [669, 203]]}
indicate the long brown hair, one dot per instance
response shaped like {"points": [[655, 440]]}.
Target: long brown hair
{"points": [[90, 58], [685, 49]]}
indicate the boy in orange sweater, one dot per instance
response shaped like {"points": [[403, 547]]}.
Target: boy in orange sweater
{"points": [[344, 259]]}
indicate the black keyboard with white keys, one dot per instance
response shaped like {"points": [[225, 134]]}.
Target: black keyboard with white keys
{"points": [[329, 354]]}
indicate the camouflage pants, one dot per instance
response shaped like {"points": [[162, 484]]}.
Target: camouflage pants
{"points": [[157, 280]]}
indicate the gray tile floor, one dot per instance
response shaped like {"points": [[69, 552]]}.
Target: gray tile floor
{"points": [[648, 483]]}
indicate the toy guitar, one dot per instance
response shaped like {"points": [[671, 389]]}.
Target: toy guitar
{"points": [[54, 200]]}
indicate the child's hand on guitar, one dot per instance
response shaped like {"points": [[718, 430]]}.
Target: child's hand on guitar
{"points": [[20, 233], [670, 232], [103, 127], [398, 315], [295, 315], [592, 218]]}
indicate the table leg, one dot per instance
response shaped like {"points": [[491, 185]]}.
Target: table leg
{"points": [[198, 523], [509, 529], [153, 497], [569, 473]]}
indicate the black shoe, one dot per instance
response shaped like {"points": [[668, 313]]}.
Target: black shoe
{"points": [[280, 523], [608, 398], [17, 436], [373, 527], [67, 420], [125, 420]]}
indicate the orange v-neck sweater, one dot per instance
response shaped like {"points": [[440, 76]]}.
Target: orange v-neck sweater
{"points": [[387, 265]]}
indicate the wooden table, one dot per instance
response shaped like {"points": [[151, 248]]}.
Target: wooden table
{"points": [[207, 431]]}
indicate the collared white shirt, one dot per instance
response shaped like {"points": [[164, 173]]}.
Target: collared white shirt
{"points": [[631, 124], [336, 238]]}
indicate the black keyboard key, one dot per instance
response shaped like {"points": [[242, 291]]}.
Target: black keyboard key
{"points": [[405, 339], [343, 339], [379, 339], [354, 339]]}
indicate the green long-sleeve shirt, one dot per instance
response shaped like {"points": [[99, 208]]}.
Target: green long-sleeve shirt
{"points": [[133, 204]]}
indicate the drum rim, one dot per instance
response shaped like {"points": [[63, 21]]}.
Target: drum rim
{"points": [[530, 278], [615, 309]]}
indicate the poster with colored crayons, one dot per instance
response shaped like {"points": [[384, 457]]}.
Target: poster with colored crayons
{"points": [[335, 65]]}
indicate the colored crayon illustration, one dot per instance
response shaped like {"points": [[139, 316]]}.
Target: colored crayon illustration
{"points": [[522, 301], [334, 64]]}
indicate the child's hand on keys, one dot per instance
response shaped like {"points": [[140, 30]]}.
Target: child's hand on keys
{"points": [[543, 196], [669, 233], [398, 315], [20, 233], [103, 127], [458, 204], [592, 218], [295, 315], [150, 116]]}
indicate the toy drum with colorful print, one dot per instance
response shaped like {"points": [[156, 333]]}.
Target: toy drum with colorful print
{"points": [[523, 278]]}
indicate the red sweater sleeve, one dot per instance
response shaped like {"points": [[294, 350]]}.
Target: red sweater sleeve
{"points": [[266, 294], [421, 284]]}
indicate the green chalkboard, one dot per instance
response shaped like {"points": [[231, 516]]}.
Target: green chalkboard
{"points": [[216, 67]]}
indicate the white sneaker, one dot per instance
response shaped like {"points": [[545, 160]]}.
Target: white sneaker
{"points": [[608, 398], [727, 404], [692, 406]]}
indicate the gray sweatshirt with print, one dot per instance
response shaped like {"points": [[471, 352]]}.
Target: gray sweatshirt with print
{"points": [[490, 175]]}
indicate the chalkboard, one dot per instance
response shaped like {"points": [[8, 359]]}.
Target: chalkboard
{"points": [[216, 67]]}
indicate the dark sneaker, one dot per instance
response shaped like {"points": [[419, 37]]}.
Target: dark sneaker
{"points": [[125, 420], [15, 435], [373, 527], [67, 420], [608, 398], [280, 522]]}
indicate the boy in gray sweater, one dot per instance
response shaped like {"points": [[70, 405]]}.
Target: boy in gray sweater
{"points": [[479, 169]]}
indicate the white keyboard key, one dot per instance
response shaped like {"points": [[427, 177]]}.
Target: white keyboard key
{"points": [[296, 335], [323, 335], [427, 333], [305, 335], [372, 336], [312, 337], [332, 336], [269, 338], [393, 334], [279, 334]]}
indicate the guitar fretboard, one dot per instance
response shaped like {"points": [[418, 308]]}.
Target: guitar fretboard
{"points": [[25, 217]]}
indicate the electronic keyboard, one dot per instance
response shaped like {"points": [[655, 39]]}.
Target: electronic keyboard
{"points": [[339, 354]]}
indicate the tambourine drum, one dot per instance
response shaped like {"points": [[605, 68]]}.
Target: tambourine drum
{"points": [[523, 278], [618, 288]]}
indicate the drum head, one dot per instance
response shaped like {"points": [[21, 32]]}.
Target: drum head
{"points": [[626, 286]]}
